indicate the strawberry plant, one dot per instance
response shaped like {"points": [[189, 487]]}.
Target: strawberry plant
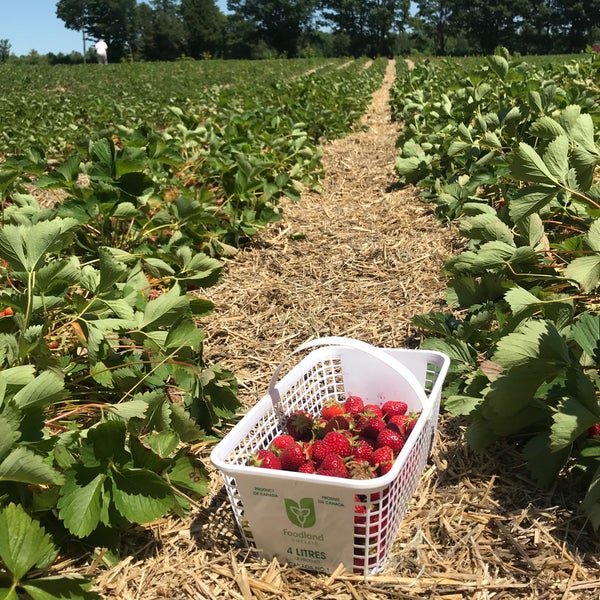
{"points": [[104, 386], [512, 157]]}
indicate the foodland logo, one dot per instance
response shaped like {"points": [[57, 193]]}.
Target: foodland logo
{"points": [[302, 513]]}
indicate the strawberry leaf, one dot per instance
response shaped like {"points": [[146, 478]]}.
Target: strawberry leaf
{"points": [[165, 309], [24, 466], [462, 405], [486, 227], [521, 301], [570, 420], [586, 332], [544, 464], [9, 432], [140, 495], [189, 474], [514, 389], [585, 271], [546, 128], [45, 389], [528, 165], [23, 542], [80, 500], [536, 343], [591, 502], [530, 200], [556, 157], [66, 587]]}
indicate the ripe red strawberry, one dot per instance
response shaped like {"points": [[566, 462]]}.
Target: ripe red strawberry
{"points": [[594, 430], [401, 422], [412, 422], [375, 523], [307, 467], [336, 442], [362, 449], [372, 427], [390, 436], [354, 405], [279, 442], [333, 466], [331, 409], [383, 459], [266, 459], [299, 425], [373, 410], [336, 423], [393, 407], [317, 451], [292, 456]]}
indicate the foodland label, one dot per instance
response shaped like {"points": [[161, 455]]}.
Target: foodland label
{"points": [[299, 523]]}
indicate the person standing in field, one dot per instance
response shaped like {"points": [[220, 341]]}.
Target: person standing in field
{"points": [[101, 51]]}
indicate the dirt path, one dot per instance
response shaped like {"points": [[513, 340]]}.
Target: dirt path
{"points": [[360, 260]]}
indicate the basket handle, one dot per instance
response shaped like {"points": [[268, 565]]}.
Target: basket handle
{"points": [[378, 353]]}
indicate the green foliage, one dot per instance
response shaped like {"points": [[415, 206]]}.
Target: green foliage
{"points": [[26, 548], [104, 386], [508, 149]]}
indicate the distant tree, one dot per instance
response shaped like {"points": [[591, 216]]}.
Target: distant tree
{"points": [[241, 37], [435, 23], [534, 33], [279, 23], [162, 30], [4, 50], [114, 20], [204, 27], [575, 21], [366, 25]]}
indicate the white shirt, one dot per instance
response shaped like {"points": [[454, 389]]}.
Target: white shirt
{"points": [[101, 47]]}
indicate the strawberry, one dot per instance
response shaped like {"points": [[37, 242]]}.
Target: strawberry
{"points": [[594, 431], [390, 436], [354, 405], [383, 459], [279, 442], [307, 467], [401, 422], [317, 451], [372, 427], [372, 410], [333, 466], [265, 459], [393, 407], [292, 456], [413, 421], [332, 409], [336, 442], [362, 449], [336, 423], [299, 425]]}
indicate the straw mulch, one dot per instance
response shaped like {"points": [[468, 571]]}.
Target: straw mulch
{"points": [[359, 260]]}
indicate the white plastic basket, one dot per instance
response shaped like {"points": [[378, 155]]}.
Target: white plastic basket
{"points": [[316, 522]]}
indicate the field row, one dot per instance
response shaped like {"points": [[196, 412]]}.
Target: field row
{"points": [[507, 148], [103, 383]]}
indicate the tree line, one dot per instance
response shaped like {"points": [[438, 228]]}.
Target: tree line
{"points": [[171, 29]]}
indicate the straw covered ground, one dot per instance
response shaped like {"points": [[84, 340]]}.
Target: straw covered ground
{"points": [[359, 260]]}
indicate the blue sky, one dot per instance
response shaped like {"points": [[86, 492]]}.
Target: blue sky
{"points": [[32, 25]]}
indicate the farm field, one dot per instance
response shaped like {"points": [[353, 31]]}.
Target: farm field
{"points": [[361, 255]]}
